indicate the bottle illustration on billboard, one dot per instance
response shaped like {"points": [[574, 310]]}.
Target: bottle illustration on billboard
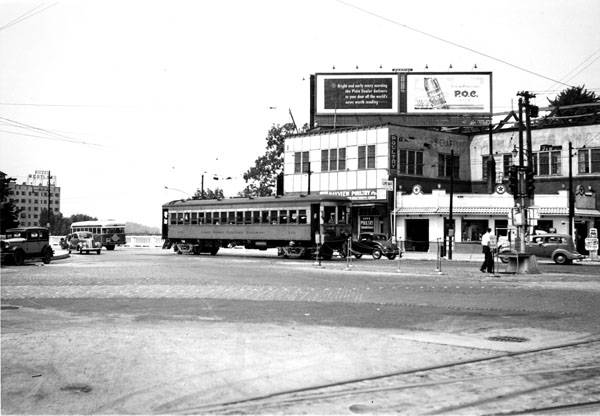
{"points": [[435, 93]]}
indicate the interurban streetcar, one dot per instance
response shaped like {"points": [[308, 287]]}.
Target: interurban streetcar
{"points": [[295, 225], [110, 233]]}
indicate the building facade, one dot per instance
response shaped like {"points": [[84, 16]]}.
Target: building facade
{"points": [[33, 196], [357, 162]]}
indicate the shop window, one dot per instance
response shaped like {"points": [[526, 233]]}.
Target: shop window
{"points": [[472, 230], [324, 160], [410, 162], [448, 166], [301, 162], [342, 158], [366, 157], [548, 163], [588, 160]]}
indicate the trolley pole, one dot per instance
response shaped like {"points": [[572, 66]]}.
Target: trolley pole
{"points": [[48, 222]]}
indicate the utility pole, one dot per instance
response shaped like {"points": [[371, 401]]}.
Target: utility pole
{"points": [[309, 172], [450, 221], [48, 221], [491, 167], [571, 193], [202, 187]]}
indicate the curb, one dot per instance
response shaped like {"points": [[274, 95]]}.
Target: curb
{"points": [[61, 257]]}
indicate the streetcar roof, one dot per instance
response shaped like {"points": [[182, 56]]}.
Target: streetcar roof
{"points": [[108, 223], [267, 200]]}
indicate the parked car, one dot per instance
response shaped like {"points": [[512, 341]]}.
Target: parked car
{"points": [[376, 245], [558, 247], [26, 243], [83, 242]]}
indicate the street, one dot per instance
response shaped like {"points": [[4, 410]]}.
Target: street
{"points": [[143, 330]]}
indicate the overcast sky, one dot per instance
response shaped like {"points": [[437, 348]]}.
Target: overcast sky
{"points": [[122, 98]]}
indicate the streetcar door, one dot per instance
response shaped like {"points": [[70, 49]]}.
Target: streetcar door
{"points": [[165, 223], [315, 215]]}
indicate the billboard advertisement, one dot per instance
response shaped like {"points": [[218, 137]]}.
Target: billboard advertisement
{"points": [[448, 93], [357, 93]]}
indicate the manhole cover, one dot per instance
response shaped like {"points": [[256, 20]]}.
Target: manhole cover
{"points": [[77, 388], [505, 338]]}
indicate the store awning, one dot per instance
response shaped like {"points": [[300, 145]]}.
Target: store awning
{"points": [[496, 211]]}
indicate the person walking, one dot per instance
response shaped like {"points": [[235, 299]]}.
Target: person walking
{"points": [[488, 262]]}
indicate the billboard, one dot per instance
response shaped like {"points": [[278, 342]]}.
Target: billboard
{"points": [[448, 93], [357, 93]]}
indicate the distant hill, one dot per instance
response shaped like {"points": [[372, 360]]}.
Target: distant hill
{"points": [[133, 228]]}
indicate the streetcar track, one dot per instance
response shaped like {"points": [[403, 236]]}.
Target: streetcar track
{"points": [[312, 393]]}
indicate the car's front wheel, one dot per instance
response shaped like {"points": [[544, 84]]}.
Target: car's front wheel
{"points": [[560, 258], [376, 254], [47, 256], [19, 257]]}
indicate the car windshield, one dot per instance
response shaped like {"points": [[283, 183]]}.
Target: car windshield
{"points": [[15, 234], [379, 237], [85, 235]]}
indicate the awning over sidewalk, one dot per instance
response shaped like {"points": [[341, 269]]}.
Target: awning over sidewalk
{"points": [[496, 211]]}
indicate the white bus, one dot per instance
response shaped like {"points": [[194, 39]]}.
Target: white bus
{"points": [[110, 233]]}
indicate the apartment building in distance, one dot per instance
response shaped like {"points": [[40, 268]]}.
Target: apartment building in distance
{"points": [[34, 195]]}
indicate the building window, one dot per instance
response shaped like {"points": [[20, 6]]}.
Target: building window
{"points": [[588, 160], [324, 160], [333, 159], [342, 158], [548, 163], [366, 157], [301, 162], [410, 162], [448, 166]]}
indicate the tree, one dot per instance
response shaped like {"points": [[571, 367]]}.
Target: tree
{"points": [[82, 217], [209, 194], [9, 213], [59, 225], [262, 177], [571, 96]]}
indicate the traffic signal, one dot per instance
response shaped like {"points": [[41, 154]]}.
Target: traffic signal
{"points": [[529, 183], [534, 111], [513, 180]]}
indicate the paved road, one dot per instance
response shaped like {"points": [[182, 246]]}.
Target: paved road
{"points": [[130, 324]]}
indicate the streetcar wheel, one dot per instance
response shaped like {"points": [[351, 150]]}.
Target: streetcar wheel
{"points": [[391, 256], [376, 254]]}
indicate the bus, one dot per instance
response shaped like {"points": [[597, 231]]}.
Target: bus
{"points": [[297, 226], [110, 233]]}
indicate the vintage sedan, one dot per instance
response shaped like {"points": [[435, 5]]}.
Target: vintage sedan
{"points": [[83, 242], [376, 245], [26, 243], [558, 247]]}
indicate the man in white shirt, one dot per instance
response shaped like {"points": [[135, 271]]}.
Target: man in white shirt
{"points": [[488, 262]]}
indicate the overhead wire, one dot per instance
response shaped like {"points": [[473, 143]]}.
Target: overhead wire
{"points": [[503, 61], [52, 135], [26, 16], [568, 75]]}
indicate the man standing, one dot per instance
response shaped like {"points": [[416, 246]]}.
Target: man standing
{"points": [[488, 262]]}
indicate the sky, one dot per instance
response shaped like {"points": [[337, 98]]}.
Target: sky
{"points": [[129, 103]]}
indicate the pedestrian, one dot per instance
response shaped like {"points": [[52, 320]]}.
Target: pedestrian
{"points": [[488, 262]]}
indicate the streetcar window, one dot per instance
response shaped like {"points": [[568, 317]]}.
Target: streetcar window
{"points": [[208, 218], [247, 217], [239, 217], [224, 217], [216, 218], [256, 217], [264, 217], [194, 218], [231, 217], [342, 215], [302, 216], [201, 218], [293, 216], [273, 216], [180, 218], [283, 216], [173, 218], [186, 218], [329, 215]]}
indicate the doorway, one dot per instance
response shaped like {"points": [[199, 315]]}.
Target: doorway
{"points": [[417, 235]]}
